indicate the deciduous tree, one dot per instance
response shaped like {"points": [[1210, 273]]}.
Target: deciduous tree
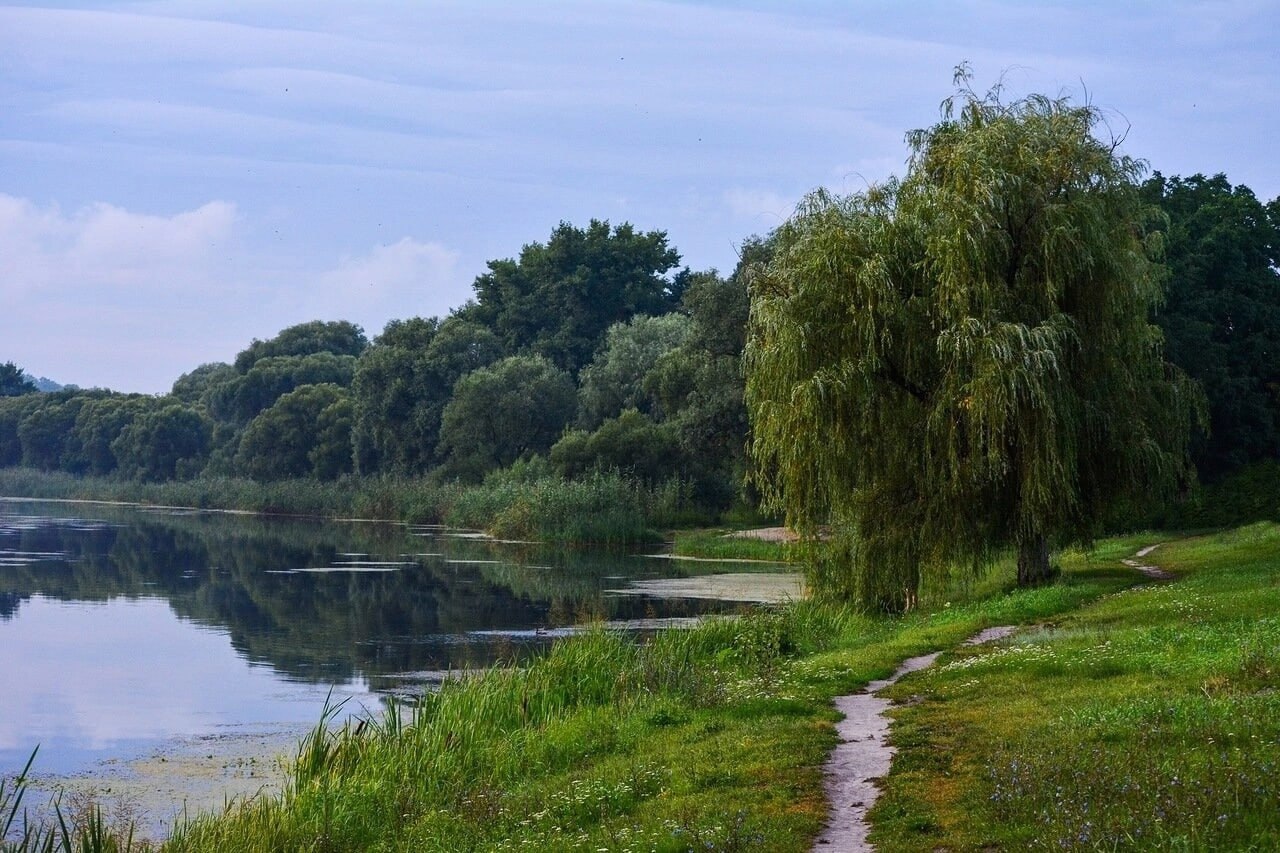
{"points": [[614, 381], [558, 298], [13, 382], [338, 337], [963, 359], [512, 409], [169, 442], [280, 442], [1222, 315], [402, 384]]}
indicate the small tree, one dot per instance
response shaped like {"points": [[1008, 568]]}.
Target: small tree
{"points": [[402, 383], [557, 299], [1222, 315], [13, 382], [614, 381], [963, 359], [283, 440]]}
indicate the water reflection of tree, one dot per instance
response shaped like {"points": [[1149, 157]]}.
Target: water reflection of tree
{"points": [[224, 572]]}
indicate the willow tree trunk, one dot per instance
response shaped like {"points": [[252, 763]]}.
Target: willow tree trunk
{"points": [[1033, 561]]}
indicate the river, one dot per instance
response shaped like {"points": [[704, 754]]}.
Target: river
{"points": [[164, 659]]}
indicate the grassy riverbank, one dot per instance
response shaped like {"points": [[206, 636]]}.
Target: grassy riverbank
{"points": [[721, 544], [516, 503], [1148, 719], [1130, 713], [707, 739]]}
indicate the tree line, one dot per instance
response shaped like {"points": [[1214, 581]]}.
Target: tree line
{"points": [[597, 351], [591, 351]]}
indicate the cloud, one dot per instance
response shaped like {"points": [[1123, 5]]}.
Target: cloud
{"points": [[762, 207], [400, 279], [105, 248], [112, 297]]}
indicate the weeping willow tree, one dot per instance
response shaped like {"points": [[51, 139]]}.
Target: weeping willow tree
{"points": [[961, 361]]}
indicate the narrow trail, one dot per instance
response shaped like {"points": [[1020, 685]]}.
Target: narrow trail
{"points": [[863, 754], [1153, 572]]}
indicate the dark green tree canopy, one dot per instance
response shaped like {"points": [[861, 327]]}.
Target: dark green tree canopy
{"points": [[13, 411], [171, 441], [510, 410], [1221, 316], [239, 398], [195, 386], [98, 423], [47, 431], [719, 307], [280, 442], [558, 298], [331, 453], [338, 337], [963, 359], [13, 382], [402, 384]]}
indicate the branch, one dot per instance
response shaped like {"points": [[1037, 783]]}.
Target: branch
{"points": [[897, 377]]}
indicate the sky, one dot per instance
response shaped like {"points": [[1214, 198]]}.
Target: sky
{"points": [[178, 178]]}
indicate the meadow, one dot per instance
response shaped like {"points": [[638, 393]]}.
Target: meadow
{"points": [[1126, 714]]}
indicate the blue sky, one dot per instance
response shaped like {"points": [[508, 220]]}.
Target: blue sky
{"points": [[177, 178]]}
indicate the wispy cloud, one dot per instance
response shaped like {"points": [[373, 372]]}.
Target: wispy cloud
{"points": [[104, 247], [400, 279]]}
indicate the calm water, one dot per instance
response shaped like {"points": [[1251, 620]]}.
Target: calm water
{"points": [[123, 629]]}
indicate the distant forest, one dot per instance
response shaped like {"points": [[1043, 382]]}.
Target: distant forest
{"points": [[597, 351]]}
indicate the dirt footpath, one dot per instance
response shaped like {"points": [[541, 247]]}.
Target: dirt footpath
{"points": [[863, 754]]}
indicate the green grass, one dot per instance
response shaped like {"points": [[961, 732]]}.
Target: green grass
{"points": [[1149, 719], [716, 544], [1128, 715], [601, 743], [706, 739]]}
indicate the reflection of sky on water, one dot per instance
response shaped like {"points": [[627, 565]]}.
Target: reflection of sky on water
{"points": [[122, 630], [84, 680]]}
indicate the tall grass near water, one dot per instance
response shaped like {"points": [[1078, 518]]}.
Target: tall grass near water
{"points": [[548, 756], [84, 830], [709, 739], [603, 507]]}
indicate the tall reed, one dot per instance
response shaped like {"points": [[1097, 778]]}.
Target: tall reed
{"points": [[451, 767], [86, 832]]}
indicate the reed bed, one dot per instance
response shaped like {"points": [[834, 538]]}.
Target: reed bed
{"points": [[85, 830], [602, 507]]}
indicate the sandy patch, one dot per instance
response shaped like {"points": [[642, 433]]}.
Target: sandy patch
{"points": [[689, 559], [765, 534]]}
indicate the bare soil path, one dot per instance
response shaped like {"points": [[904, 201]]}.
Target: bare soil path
{"points": [[1153, 572], [863, 755]]}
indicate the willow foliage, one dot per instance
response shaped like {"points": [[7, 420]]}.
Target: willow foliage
{"points": [[963, 360]]}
